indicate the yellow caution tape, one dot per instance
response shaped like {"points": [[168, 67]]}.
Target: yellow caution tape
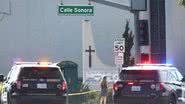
{"points": [[83, 93]]}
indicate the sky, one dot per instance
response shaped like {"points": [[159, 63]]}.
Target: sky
{"points": [[33, 31]]}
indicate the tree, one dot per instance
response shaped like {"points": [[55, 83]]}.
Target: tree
{"points": [[182, 2], [129, 42]]}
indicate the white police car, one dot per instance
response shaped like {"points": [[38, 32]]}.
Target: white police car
{"points": [[34, 82], [149, 84]]}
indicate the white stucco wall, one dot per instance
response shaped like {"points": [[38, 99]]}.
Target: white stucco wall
{"points": [[175, 34]]}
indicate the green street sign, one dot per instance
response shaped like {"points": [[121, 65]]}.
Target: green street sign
{"points": [[75, 10]]}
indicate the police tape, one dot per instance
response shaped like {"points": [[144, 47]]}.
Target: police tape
{"points": [[83, 93], [70, 94]]}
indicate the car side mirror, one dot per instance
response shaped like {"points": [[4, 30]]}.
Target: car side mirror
{"points": [[183, 79], [1, 78]]}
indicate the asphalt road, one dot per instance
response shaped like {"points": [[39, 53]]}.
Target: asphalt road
{"points": [[181, 103]]}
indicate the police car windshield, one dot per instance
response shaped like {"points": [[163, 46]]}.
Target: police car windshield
{"points": [[138, 75], [40, 72]]}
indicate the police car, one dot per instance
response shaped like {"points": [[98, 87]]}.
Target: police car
{"points": [[34, 82], [149, 84]]}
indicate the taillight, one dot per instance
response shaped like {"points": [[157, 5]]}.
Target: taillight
{"points": [[161, 86], [115, 87], [64, 86], [18, 84], [130, 83]]}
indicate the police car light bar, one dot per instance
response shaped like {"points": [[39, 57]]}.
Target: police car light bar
{"points": [[18, 63], [40, 63], [154, 64], [44, 63]]}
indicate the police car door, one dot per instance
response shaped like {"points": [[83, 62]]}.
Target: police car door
{"points": [[179, 78]]}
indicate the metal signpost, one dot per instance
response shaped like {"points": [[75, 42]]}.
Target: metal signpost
{"points": [[119, 49], [76, 10]]}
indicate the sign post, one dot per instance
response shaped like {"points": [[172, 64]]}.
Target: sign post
{"points": [[119, 49], [75, 10]]}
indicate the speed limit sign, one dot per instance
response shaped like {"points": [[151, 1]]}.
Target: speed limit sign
{"points": [[119, 45]]}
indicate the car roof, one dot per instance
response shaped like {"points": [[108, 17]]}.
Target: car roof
{"points": [[150, 67], [35, 64]]}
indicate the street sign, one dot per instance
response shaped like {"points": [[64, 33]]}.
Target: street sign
{"points": [[119, 56], [76, 10], [119, 49], [119, 45]]}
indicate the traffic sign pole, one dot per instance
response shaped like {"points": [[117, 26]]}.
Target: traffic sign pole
{"points": [[119, 49]]}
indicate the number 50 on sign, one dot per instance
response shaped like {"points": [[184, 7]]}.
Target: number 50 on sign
{"points": [[119, 45]]}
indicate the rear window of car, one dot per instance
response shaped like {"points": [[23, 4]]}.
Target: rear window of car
{"points": [[139, 75], [40, 72]]}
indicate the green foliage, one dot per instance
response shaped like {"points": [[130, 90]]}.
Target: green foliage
{"points": [[94, 97], [84, 87], [129, 42], [90, 98], [182, 2], [1, 87]]}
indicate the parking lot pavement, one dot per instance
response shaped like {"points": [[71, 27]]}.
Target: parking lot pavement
{"points": [[181, 102]]}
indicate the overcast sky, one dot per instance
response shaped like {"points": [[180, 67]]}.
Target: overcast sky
{"points": [[34, 31]]}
